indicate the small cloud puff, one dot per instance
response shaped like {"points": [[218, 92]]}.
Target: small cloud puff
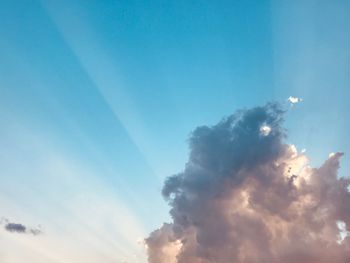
{"points": [[19, 228], [330, 155], [294, 100], [13, 227], [265, 130]]}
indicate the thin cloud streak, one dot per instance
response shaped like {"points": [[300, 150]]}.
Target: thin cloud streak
{"points": [[104, 74]]}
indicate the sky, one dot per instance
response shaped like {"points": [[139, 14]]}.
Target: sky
{"points": [[98, 100]]}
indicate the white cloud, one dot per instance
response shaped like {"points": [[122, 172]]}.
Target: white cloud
{"points": [[294, 100], [331, 154], [265, 130], [343, 233]]}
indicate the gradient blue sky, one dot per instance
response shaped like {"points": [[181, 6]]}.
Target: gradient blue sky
{"points": [[98, 99]]}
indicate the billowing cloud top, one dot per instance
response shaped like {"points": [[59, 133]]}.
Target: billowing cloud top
{"points": [[247, 197]]}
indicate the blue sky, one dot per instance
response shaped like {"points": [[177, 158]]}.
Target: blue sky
{"points": [[98, 99]]}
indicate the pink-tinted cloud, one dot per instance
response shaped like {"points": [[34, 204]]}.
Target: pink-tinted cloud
{"points": [[247, 197]]}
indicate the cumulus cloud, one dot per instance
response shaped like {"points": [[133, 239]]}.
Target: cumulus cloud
{"points": [[19, 228], [247, 198]]}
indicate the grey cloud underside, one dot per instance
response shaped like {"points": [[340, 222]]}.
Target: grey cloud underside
{"points": [[245, 198], [12, 227]]}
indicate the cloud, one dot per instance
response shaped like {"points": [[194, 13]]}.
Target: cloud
{"points": [[294, 100], [12, 227], [243, 197], [265, 130], [19, 228]]}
